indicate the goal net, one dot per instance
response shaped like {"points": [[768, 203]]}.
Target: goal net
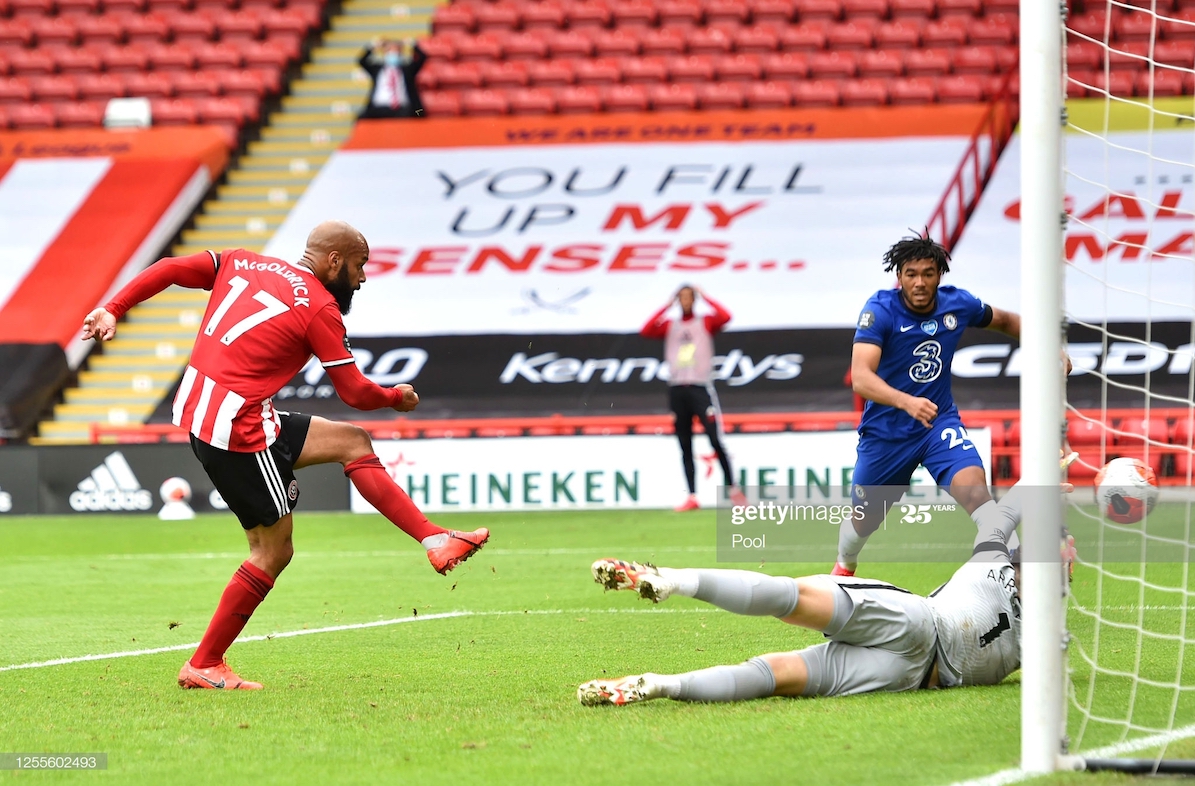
{"points": [[1129, 180]]}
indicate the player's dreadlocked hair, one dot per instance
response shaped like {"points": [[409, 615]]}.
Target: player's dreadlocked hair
{"points": [[920, 246]]}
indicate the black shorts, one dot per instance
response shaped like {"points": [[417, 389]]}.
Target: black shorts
{"points": [[260, 488]]}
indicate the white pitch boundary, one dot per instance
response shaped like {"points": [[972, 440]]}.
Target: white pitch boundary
{"points": [[337, 628], [1005, 777]]}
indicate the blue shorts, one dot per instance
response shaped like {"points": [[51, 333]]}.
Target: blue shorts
{"points": [[944, 449]]}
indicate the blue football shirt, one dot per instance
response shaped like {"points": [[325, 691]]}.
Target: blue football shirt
{"points": [[916, 353]]}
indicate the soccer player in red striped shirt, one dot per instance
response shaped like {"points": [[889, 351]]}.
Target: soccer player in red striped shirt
{"points": [[265, 319]]}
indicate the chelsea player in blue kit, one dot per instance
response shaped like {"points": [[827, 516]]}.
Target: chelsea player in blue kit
{"points": [[904, 344]]}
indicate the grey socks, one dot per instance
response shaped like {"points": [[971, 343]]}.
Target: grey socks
{"points": [[745, 592], [750, 680]]}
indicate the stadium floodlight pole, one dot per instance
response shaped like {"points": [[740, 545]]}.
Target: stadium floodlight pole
{"points": [[1042, 223]]}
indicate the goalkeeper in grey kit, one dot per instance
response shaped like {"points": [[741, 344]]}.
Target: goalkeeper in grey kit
{"points": [[881, 637]]}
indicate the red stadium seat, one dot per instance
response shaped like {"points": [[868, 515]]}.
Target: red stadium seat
{"points": [[949, 9], [916, 90], [454, 18], [819, 10], [197, 84], [544, 15], [1183, 431], [441, 47], [197, 27], [927, 62], [1179, 27], [270, 54], [616, 43], [239, 26], [960, 90], [242, 83], [773, 13], [710, 41], [973, 60], [570, 43], [146, 28], [258, 5], [219, 55], [645, 70], [864, 92], [170, 5], [587, 14], [16, 33], [81, 114], [500, 15], [30, 8], [803, 38], [78, 60], [627, 98], [100, 87], [721, 95], [818, 92], [1091, 24], [726, 12], [1138, 26], [769, 95], [124, 6], [1136, 430], [786, 66], [1079, 81], [898, 35], [1007, 57], [852, 35], [759, 39], [881, 63], [532, 101], [100, 30], [78, 8], [441, 104], [673, 97], [31, 116], [739, 68], [216, 6], [1082, 432], [665, 41], [1129, 56], [698, 69], [865, 9], [1176, 53], [483, 46], [226, 110], [506, 73], [525, 46], [833, 65], [457, 76], [3, 118], [578, 100], [913, 9], [171, 57], [15, 90], [1081, 54], [52, 89], [599, 71], [4, 67], [173, 112], [633, 13], [31, 61], [484, 103], [552, 73], [992, 31], [1118, 83], [429, 76], [125, 59], [951, 32], [680, 13], [55, 30], [149, 85]]}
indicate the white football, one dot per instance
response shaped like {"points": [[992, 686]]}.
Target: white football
{"points": [[175, 490], [1126, 490]]}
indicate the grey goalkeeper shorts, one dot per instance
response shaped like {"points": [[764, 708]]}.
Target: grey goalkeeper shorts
{"points": [[882, 637]]}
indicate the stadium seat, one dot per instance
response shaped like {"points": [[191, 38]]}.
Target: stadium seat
{"points": [[455, 76], [1183, 431], [833, 65], [31, 61], [1163, 82], [197, 27], [864, 92], [505, 73], [148, 85], [171, 57], [1008, 58], [726, 12], [483, 46], [881, 63], [454, 18], [738, 68], [525, 46], [81, 114], [173, 112], [54, 30], [552, 73], [954, 9], [1129, 56], [532, 101], [146, 28], [239, 26], [4, 67], [587, 14], [31, 116], [818, 92], [852, 35], [219, 55], [912, 9], [710, 41], [1081, 54], [927, 62], [1180, 27], [1176, 53], [100, 87], [665, 41], [1083, 432], [671, 97], [769, 95], [197, 84], [271, 54], [441, 104], [24, 9], [499, 15], [973, 60], [598, 71], [960, 90], [633, 13], [100, 29], [544, 15], [15, 90], [691, 68], [78, 60], [77, 8], [803, 38], [1079, 82], [124, 6], [215, 6], [645, 70], [721, 95], [578, 100], [680, 13], [627, 98], [616, 43], [911, 91], [773, 13], [759, 39], [898, 35], [443, 47], [819, 10], [242, 82], [1091, 24], [1137, 26], [570, 43], [786, 66], [865, 9], [1135, 430], [227, 111], [52, 89], [992, 31], [484, 103], [15, 33], [1117, 83], [944, 33]]}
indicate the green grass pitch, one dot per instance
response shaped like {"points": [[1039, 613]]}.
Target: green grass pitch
{"points": [[484, 698]]}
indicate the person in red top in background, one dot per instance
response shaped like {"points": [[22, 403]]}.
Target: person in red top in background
{"points": [[265, 319], [689, 352]]}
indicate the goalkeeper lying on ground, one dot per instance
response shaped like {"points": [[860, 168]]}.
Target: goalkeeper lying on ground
{"points": [[881, 637]]}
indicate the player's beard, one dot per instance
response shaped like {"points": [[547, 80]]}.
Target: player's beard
{"points": [[342, 290]]}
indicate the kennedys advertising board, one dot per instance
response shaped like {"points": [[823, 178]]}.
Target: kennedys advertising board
{"points": [[542, 473]]}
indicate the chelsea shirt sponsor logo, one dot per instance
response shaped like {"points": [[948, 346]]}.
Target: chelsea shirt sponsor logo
{"points": [[930, 326]]}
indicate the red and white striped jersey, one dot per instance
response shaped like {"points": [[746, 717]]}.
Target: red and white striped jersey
{"points": [[263, 322]]}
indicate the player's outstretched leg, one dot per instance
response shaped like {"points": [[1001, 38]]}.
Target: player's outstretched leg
{"points": [[751, 680], [737, 591]]}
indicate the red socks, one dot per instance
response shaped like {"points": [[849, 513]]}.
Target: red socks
{"points": [[380, 490], [248, 588]]}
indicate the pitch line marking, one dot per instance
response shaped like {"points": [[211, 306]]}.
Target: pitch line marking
{"points": [[337, 628]]}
